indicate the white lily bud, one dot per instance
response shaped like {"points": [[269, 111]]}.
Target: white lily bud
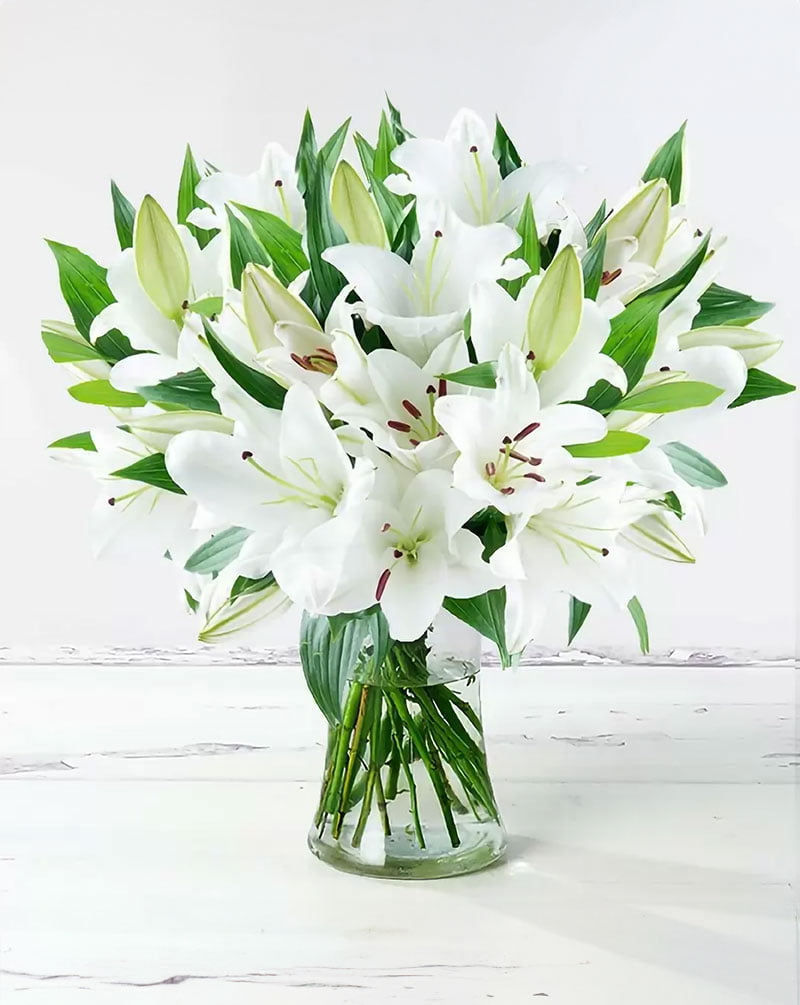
{"points": [[355, 209], [754, 346], [645, 217], [266, 301], [654, 535], [556, 308], [158, 429], [161, 262]]}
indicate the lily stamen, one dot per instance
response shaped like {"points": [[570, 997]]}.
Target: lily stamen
{"points": [[382, 581], [411, 408], [526, 431], [534, 475], [609, 277], [400, 427]]}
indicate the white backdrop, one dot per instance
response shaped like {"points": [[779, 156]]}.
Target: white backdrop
{"points": [[95, 88]]}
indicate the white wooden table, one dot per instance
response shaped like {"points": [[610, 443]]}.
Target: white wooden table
{"points": [[152, 846]]}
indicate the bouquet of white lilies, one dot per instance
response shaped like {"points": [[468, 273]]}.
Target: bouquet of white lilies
{"points": [[382, 394]]}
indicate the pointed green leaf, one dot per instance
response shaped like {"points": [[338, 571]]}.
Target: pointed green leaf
{"points": [[667, 163], [671, 397], [124, 215], [100, 392], [592, 266], [283, 243], [529, 251], [578, 612], [679, 280], [189, 200], [83, 285], [322, 231], [693, 467], [330, 150], [721, 306], [593, 226], [614, 444], [245, 587], [190, 390], [64, 348], [306, 158], [244, 248], [77, 441], [218, 552], [401, 134], [152, 471], [114, 346], [486, 614], [477, 375], [161, 262], [257, 384], [208, 307], [505, 153], [760, 385], [639, 619]]}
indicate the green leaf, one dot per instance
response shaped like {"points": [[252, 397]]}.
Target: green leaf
{"points": [[671, 502], [477, 375], [392, 207], [191, 603], [387, 142], [505, 153], [64, 349], [679, 280], [614, 444], [322, 232], [667, 163], [257, 384], [529, 251], [124, 215], [306, 153], [245, 587], [486, 614], [721, 306], [630, 344], [114, 346], [161, 262], [592, 266], [189, 200], [244, 248], [578, 612], [190, 390], [218, 552], [100, 392], [83, 285], [331, 656], [330, 150], [760, 385], [693, 467], [672, 397], [151, 470], [401, 134], [77, 441], [639, 619], [208, 307], [596, 222], [283, 243]]}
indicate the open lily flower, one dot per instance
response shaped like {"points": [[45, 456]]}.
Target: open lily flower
{"points": [[272, 188], [511, 447], [418, 304], [461, 172], [398, 408], [571, 547], [498, 319], [422, 555]]}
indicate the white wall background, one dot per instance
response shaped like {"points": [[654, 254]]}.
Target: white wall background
{"points": [[94, 88]]}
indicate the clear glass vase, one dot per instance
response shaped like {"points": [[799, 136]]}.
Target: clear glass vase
{"points": [[406, 792]]}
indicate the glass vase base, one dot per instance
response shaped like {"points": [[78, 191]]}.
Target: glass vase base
{"points": [[399, 856]]}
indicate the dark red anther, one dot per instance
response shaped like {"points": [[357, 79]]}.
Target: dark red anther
{"points": [[534, 475], [401, 427], [430, 389], [609, 277], [491, 470], [663, 369], [278, 183], [442, 387], [382, 581], [437, 233], [507, 491], [414, 443], [604, 552], [411, 408], [246, 455], [531, 356], [397, 553], [185, 305], [385, 527], [473, 149], [507, 441], [526, 431], [112, 501]]}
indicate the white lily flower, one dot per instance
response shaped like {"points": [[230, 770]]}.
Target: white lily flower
{"points": [[461, 172], [511, 447], [130, 516], [272, 188], [498, 319], [571, 547], [755, 347], [285, 476], [247, 616], [422, 553], [418, 304], [394, 399]]}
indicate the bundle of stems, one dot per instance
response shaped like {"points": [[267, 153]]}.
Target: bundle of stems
{"points": [[389, 723]]}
